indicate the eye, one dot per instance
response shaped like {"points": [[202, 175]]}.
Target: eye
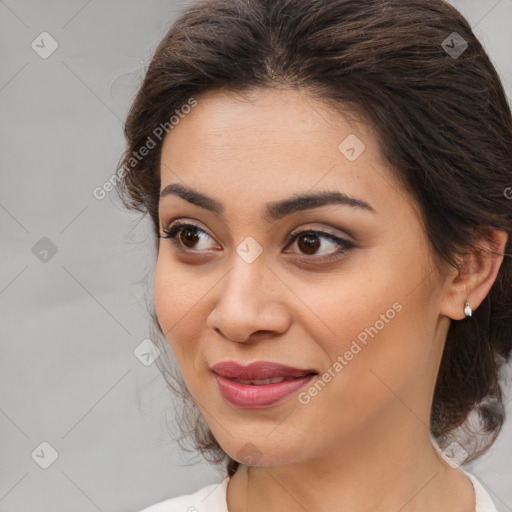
{"points": [[187, 237], [308, 242], [181, 233]]}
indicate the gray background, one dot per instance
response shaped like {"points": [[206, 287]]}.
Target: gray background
{"points": [[70, 321]]}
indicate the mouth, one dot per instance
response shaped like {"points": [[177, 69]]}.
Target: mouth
{"points": [[263, 382], [259, 372], [260, 384]]}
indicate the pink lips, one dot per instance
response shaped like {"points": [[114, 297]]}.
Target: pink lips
{"points": [[232, 379]]}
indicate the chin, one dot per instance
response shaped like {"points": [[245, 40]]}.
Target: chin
{"points": [[262, 451]]}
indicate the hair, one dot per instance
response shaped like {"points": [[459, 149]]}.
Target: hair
{"points": [[441, 121]]}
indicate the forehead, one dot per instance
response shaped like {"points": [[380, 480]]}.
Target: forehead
{"points": [[273, 144], [266, 118]]}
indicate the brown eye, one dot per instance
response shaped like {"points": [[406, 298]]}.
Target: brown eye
{"points": [[185, 235], [188, 236], [309, 242]]}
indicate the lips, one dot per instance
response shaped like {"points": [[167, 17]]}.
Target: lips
{"points": [[260, 372], [260, 384]]}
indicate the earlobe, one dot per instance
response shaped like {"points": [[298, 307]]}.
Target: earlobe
{"points": [[467, 288]]}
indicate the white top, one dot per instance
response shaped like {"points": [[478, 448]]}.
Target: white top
{"points": [[212, 498]]}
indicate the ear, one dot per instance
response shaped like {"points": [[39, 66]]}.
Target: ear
{"points": [[478, 271]]}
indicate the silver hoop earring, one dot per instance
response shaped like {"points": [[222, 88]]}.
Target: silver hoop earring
{"points": [[467, 310]]}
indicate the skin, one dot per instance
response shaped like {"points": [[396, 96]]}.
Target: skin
{"points": [[363, 442]]}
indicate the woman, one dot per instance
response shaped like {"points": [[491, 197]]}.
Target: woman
{"points": [[328, 183]]}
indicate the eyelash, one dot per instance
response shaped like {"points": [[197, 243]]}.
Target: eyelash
{"points": [[178, 227]]}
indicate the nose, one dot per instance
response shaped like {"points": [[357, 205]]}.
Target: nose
{"points": [[250, 303]]}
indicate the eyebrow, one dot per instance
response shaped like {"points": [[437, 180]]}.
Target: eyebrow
{"points": [[273, 210]]}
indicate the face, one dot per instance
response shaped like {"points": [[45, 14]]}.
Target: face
{"points": [[347, 289]]}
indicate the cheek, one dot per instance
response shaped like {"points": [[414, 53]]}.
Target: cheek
{"points": [[165, 295], [375, 328], [180, 295], [343, 311], [381, 353], [173, 302], [177, 291]]}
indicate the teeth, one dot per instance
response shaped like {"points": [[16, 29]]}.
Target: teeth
{"points": [[261, 382]]}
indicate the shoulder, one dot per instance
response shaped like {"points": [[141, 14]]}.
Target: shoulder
{"points": [[484, 502], [211, 498]]}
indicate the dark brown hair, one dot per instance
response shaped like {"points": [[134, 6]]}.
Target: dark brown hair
{"points": [[441, 120]]}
